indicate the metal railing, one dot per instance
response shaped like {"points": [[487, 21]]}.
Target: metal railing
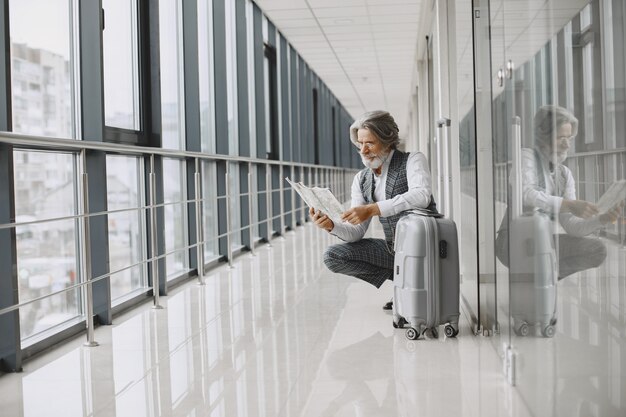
{"points": [[337, 179]]}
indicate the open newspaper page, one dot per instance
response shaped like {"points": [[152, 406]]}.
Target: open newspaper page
{"points": [[320, 199], [613, 196]]}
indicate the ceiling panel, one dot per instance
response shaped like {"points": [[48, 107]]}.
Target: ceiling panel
{"points": [[364, 50]]}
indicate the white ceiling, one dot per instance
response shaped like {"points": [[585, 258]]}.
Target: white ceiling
{"points": [[363, 50]]}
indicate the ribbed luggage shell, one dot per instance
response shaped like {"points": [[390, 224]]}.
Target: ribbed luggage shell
{"points": [[426, 274], [533, 274]]}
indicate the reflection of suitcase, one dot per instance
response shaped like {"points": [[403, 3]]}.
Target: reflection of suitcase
{"points": [[533, 271], [426, 275]]}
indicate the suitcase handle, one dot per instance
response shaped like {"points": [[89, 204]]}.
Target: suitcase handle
{"points": [[425, 212]]}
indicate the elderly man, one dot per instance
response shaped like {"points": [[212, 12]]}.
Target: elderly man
{"points": [[391, 183], [548, 187]]}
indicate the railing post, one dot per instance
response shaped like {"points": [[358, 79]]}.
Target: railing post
{"points": [[153, 240], [229, 249], [282, 200], [268, 201], [86, 252], [294, 211], [199, 228], [250, 204]]}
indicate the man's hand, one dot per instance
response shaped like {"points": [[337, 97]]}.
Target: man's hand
{"points": [[612, 215], [357, 215], [579, 208], [321, 220]]}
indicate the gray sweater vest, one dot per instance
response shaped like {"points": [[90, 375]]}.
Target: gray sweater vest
{"points": [[396, 184]]}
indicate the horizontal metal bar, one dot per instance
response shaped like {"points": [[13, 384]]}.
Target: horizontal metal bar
{"points": [[29, 142]]}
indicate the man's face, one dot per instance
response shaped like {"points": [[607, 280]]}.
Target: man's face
{"points": [[372, 151], [562, 142]]}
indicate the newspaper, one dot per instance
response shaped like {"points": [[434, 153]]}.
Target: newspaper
{"points": [[612, 197], [319, 199]]}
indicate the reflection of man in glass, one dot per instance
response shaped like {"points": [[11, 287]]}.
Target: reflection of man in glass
{"points": [[549, 187]]}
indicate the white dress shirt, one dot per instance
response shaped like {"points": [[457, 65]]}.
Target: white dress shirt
{"points": [[550, 199], [417, 196]]}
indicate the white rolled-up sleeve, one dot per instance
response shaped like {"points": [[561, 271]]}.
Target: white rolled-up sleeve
{"points": [[346, 231], [419, 192]]}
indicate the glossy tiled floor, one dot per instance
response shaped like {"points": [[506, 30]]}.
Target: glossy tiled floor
{"points": [[277, 335]]}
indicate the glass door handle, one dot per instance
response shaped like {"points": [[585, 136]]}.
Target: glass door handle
{"points": [[500, 77], [510, 66]]}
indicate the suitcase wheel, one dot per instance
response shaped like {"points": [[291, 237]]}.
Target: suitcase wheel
{"points": [[400, 324], [522, 329], [450, 330], [548, 331], [412, 334]]}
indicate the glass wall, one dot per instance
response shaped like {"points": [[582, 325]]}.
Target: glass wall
{"points": [[43, 66], [126, 226], [176, 235], [467, 222], [558, 109], [47, 260], [136, 95], [206, 76], [172, 82], [121, 64]]}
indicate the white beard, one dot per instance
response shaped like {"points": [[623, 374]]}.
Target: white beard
{"points": [[376, 162], [560, 157]]}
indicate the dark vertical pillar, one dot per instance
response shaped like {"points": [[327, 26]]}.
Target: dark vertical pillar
{"points": [[243, 116], [295, 106], [221, 112], [316, 126], [192, 116], [10, 344], [92, 112], [259, 106], [150, 68], [285, 126]]}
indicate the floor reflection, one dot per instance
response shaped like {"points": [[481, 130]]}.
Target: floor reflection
{"points": [[277, 335]]}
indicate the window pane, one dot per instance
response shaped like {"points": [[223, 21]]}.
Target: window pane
{"points": [[206, 76], [41, 68], [172, 103], [126, 234], [209, 196], [46, 252], [174, 185], [121, 64], [235, 205]]}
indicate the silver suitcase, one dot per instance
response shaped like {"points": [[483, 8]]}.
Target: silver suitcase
{"points": [[533, 272], [426, 275]]}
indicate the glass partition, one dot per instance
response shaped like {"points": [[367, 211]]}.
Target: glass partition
{"points": [[47, 260], [176, 237], [126, 226], [558, 135]]}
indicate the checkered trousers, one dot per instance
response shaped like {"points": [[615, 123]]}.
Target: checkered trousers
{"points": [[366, 259]]}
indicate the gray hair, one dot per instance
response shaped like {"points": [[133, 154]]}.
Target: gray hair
{"points": [[547, 122], [381, 124]]}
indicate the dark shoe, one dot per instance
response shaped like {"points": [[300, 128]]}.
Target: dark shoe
{"points": [[388, 305]]}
